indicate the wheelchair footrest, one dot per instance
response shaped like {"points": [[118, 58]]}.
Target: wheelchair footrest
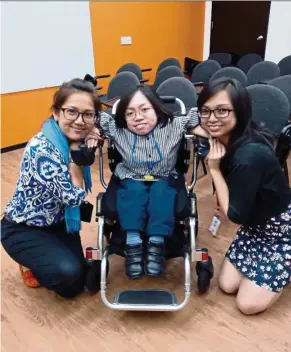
{"points": [[146, 297]]}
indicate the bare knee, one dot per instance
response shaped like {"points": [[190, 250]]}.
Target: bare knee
{"points": [[229, 278], [227, 285], [253, 299], [248, 307]]}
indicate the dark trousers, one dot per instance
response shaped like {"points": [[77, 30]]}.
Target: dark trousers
{"points": [[54, 256], [147, 206]]}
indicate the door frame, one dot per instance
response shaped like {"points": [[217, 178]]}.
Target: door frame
{"points": [[207, 29]]}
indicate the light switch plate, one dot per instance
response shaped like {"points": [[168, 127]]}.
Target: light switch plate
{"points": [[126, 41]]}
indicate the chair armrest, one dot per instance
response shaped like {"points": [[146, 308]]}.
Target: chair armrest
{"points": [[102, 76], [144, 80], [146, 69], [198, 83], [109, 103]]}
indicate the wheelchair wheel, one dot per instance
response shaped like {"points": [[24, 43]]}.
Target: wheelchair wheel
{"points": [[93, 276], [204, 272]]}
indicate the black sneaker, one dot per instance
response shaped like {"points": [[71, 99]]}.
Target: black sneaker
{"points": [[134, 266], [155, 259]]}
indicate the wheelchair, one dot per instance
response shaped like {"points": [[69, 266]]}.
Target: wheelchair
{"points": [[181, 244]]}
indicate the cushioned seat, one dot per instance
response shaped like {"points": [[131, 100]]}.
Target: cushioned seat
{"points": [[109, 199]]}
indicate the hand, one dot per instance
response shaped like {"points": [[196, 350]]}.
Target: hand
{"points": [[93, 138], [216, 153], [74, 145]]}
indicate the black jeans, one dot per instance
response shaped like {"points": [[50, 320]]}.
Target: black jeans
{"points": [[54, 256]]}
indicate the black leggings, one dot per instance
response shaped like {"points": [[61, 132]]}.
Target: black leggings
{"points": [[54, 256]]}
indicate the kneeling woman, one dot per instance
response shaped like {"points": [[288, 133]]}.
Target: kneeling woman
{"points": [[148, 137], [40, 228], [252, 191]]}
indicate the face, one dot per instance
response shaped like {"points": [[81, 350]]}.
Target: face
{"points": [[218, 123], [140, 115], [73, 128]]}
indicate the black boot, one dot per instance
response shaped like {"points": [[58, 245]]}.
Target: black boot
{"points": [[154, 259], [134, 266]]}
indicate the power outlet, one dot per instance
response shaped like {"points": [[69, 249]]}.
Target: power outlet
{"points": [[126, 41]]}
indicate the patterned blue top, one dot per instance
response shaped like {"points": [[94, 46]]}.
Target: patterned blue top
{"points": [[44, 186]]}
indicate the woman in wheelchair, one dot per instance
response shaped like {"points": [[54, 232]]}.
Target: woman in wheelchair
{"points": [[147, 136], [253, 192]]}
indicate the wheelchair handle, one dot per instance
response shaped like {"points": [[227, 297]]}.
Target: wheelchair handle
{"points": [[114, 107], [168, 99], [173, 99]]}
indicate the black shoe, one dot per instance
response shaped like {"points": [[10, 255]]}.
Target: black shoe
{"points": [[154, 259], [134, 266]]}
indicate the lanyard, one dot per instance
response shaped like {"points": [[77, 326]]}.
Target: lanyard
{"points": [[150, 164]]}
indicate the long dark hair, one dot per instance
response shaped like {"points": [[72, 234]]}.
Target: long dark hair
{"points": [[245, 130], [164, 116]]}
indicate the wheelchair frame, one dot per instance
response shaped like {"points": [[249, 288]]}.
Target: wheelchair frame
{"points": [[204, 267]]}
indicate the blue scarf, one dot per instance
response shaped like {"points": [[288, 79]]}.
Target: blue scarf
{"points": [[53, 133]]}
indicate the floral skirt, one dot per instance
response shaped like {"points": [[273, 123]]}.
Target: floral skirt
{"points": [[263, 253]]}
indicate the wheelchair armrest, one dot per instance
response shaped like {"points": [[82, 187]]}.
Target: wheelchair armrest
{"points": [[197, 84], [99, 199], [193, 204]]}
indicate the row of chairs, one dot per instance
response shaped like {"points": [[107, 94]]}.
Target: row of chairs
{"points": [[248, 60], [262, 71]]}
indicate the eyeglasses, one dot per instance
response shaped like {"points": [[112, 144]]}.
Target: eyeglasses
{"points": [[73, 114], [131, 115], [219, 113]]}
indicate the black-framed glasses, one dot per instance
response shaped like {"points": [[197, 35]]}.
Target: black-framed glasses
{"points": [[219, 113], [131, 114], [71, 114]]}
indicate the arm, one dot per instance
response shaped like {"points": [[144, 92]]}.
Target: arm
{"points": [[216, 153], [76, 171], [199, 131], [108, 126], [221, 190], [192, 124], [237, 196], [52, 172]]}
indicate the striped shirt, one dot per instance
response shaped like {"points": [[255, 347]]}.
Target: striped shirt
{"points": [[155, 153]]}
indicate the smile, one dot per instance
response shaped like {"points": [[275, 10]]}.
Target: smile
{"points": [[78, 130], [140, 125], [214, 127]]}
